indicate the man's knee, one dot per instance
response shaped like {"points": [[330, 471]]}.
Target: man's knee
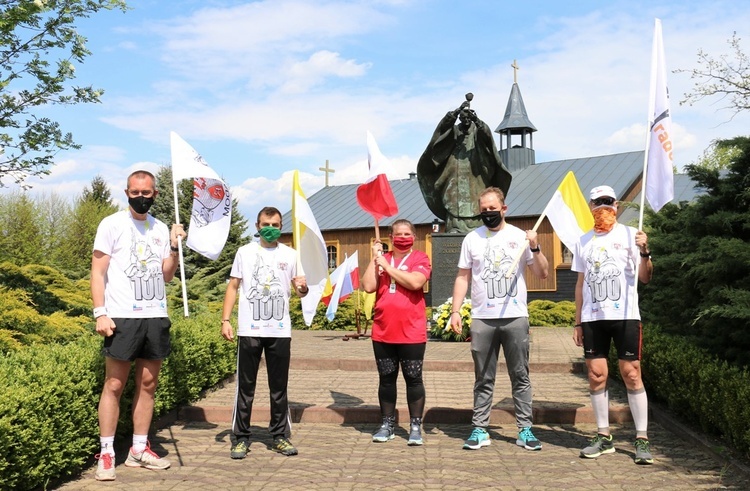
{"points": [[631, 375], [113, 387]]}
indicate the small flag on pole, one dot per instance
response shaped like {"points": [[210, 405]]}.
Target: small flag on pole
{"points": [[659, 173], [346, 280], [312, 256], [568, 212], [375, 195], [211, 218]]}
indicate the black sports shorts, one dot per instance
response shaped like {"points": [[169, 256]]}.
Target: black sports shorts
{"points": [[147, 339], [627, 335]]}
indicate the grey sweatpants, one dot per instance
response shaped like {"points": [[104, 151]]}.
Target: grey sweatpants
{"points": [[487, 335]]}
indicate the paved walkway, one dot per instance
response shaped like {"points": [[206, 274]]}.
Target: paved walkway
{"points": [[333, 394]]}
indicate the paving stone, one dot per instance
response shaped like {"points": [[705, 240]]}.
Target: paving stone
{"points": [[335, 377]]}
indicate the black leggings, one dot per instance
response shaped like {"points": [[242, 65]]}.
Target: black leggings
{"points": [[411, 357]]}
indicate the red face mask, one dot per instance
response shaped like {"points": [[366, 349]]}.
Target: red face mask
{"points": [[403, 243]]}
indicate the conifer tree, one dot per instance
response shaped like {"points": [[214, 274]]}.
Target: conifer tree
{"points": [[701, 283]]}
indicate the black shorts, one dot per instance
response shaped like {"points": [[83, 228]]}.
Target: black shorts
{"points": [[147, 339], [627, 335]]}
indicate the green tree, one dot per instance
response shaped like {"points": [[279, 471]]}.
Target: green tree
{"points": [[701, 283], [76, 241], [21, 230], [99, 191], [728, 76], [206, 278], [32, 32], [718, 156]]}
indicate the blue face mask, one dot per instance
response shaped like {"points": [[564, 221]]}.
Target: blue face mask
{"points": [[270, 234]]}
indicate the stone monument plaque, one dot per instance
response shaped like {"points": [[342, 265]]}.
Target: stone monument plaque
{"points": [[446, 249]]}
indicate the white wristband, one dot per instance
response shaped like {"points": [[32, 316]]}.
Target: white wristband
{"points": [[99, 311]]}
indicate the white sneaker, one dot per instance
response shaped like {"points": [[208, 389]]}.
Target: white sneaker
{"points": [[105, 469], [147, 459]]}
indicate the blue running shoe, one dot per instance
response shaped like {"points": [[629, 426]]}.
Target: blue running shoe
{"points": [[527, 440], [479, 438]]}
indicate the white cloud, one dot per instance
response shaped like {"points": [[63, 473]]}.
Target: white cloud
{"points": [[292, 83], [322, 64]]}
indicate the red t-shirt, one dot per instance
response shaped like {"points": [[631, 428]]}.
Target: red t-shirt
{"points": [[400, 317]]}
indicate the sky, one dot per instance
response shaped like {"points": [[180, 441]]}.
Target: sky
{"points": [[263, 88]]}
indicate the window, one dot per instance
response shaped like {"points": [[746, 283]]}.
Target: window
{"points": [[385, 241], [333, 254], [567, 256]]}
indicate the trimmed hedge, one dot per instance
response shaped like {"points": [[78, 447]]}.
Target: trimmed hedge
{"points": [[48, 412], [698, 387], [552, 314], [702, 390]]}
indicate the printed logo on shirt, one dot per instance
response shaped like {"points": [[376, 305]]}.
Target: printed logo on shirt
{"points": [[497, 263], [602, 275], [144, 270], [266, 293]]}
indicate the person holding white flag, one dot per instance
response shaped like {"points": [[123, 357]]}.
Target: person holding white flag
{"points": [[606, 260], [263, 274], [134, 256]]}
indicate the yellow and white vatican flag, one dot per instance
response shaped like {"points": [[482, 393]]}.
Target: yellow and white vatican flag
{"points": [[658, 172], [568, 212], [312, 256]]}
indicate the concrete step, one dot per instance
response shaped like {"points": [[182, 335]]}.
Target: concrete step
{"points": [[350, 396]]}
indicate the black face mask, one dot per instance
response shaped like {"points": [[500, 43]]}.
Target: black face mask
{"points": [[141, 204], [491, 219]]}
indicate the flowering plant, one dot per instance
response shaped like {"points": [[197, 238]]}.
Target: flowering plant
{"points": [[441, 321]]}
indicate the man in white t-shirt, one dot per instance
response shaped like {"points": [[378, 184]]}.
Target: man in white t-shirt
{"points": [[490, 262], [134, 256], [606, 260], [262, 273]]}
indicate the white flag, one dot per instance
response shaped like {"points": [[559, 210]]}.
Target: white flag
{"points": [[312, 255], [212, 203], [659, 168]]}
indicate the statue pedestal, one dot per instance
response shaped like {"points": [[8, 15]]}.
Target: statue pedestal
{"points": [[446, 248]]}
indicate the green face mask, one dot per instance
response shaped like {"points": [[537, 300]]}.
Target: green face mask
{"points": [[270, 234]]}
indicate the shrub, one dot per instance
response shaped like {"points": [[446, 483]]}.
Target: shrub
{"points": [[698, 386], [552, 314], [344, 320], [541, 313], [51, 393]]}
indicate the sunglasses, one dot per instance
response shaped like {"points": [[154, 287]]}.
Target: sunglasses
{"points": [[603, 201]]}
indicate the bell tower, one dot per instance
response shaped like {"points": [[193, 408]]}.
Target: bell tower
{"points": [[516, 131]]}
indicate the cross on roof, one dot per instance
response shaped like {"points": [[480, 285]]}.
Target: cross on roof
{"points": [[515, 71], [327, 170]]}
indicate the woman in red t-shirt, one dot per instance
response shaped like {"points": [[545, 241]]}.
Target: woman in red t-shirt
{"points": [[399, 332]]}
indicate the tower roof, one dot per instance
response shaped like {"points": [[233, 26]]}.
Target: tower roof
{"points": [[516, 120]]}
